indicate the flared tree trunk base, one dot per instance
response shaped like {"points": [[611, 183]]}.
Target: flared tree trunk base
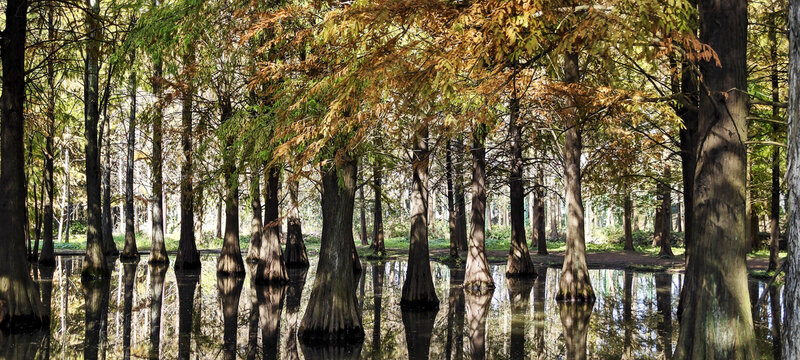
{"points": [[230, 265]]}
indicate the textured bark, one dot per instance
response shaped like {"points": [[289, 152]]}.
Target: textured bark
{"points": [[574, 283], [130, 251], [188, 257], [666, 216], [109, 247], [94, 264], [477, 277], [418, 325], [128, 278], [477, 309], [454, 345], [230, 261], [688, 143], [460, 205], [775, 198], [332, 315], [230, 289], [519, 294], [363, 223], [377, 212], [627, 207], [791, 289], [716, 316], [187, 283], [538, 222], [157, 274], [519, 258], [256, 226], [271, 268], [295, 255], [575, 320], [158, 252], [96, 294], [418, 290]]}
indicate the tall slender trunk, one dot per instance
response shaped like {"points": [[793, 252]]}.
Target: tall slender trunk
{"points": [[94, 264], [574, 284], [130, 251], [158, 252], [96, 298], [219, 215], [666, 215], [664, 308], [256, 225], [128, 278], [109, 247], [66, 201], [295, 255], [271, 268], [418, 290], [47, 257], [477, 310], [157, 274], [627, 207], [188, 257], [332, 314], [230, 261], [23, 306], [377, 211], [478, 279], [460, 205], [519, 295], [230, 290], [791, 289], [775, 198], [539, 214], [451, 211], [363, 224], [187, 283], [519, 257], [688, 145], [715, 304]]}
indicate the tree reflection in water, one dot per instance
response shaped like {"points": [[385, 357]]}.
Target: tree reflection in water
{"points": [[477, 307], [519, 294], [46, 278], [96, 297], [270, 303], [454, 346], [157, 274], [575, 320], [378, 270], [539, 317], [128, 277], [664, 305], [187, 283], [418, 325], [230, 288], [294, 297]]}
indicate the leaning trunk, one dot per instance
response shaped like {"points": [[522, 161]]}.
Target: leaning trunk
{"points": [[716, 300], [478, 278], [418, 290], [332, 314]]}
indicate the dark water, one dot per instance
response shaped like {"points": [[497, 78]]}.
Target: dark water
{"points": [[204, 317]]}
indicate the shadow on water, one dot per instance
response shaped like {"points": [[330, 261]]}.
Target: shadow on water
{"points": [[150, 311]]}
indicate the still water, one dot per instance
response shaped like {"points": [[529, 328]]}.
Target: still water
{"points": [[143, 312]]}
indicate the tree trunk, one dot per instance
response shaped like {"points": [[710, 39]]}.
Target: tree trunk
{"points": [[519, 295], [775, 206], [478, 279], [47, 257], [130, 251], [460, 205], [332, 315], [538, 223], [477, 309], [230, 261], [109, 247], [219, 216], [21, 295], [230, 290], [158, 252], [188, 257], [575, 320], [94, 264], [295, 255], [377, 211], [666, 216], [574, 284], [363, 223], [519, 257], [271, 269], [451, 211], [627, 207], [418, 290], [256, 225], [688, 145], [187, 283], [715, 304], [791, 289]]}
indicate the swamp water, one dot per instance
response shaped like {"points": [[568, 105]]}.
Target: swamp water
{"points": [[204, 317]]}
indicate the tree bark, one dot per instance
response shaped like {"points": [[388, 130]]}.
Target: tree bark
{"points": [[256, 225], [538, 223], [478, 279], [775, 199], [715, 304], [418, 290], [47, 256], [22, 307], [519, 257], [158, 252], [377, 212], [94, 264], [271, 269], [332, 315], [791, 289], [574, 284], [688, 144], [460, 205], [130, 251], [363, 224], [666, 215], [451, 211], [230, 261], [187, 257], [109, 247], [295, 255], [627, 209]]}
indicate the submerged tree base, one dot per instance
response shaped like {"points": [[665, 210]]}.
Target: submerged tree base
{"points": [[478, 287], [317, 338], [577, 297], [230, 265], [419, 305]]}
